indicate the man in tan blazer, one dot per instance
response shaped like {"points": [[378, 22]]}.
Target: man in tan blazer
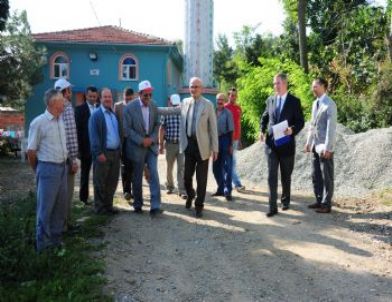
{"points": [[198, 140]]}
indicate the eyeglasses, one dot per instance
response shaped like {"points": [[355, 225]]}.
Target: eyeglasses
{"points": [[145, 95], [193, 87]]}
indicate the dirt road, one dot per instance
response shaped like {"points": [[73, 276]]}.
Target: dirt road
{"points": [[236, 253]]}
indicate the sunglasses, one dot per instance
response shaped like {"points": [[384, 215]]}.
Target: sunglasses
{"points": [[145, 95]]}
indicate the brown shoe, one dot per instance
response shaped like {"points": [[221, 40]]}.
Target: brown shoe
{"points": [[315, 205], [323, 210]]}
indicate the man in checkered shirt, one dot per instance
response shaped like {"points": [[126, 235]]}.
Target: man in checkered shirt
{"points": [[169, 139], [71, 138]]}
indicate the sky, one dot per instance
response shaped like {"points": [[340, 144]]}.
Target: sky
{"points": [[161, 18]]}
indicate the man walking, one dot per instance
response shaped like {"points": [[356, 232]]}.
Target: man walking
{"points": [[47, 154], [281, 107], [71, 135], [236, 111], [105, 140], [321, 141], [222, 167], [126, 164], [169, 139], [141, 126], [82, 115]]}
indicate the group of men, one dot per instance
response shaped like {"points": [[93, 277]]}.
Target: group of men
{"points": [[132, 135]]}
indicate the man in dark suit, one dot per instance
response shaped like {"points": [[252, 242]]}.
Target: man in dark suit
{"points": [[82, 115], [105, 141], [141, 125], [280, 107]]}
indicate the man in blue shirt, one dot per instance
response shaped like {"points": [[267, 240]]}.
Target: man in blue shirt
{"points": [[105, 142]]}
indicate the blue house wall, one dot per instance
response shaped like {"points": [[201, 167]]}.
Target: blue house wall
{"points": [[161, 65]]}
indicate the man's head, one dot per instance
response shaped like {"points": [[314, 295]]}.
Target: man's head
{"points": [[195, 87], [91, 95], [280, 84], [128, 94], [54, 102], [232, 95], [64, 87], [145, 92], [106, 98], [220, 101], [319, 87], [175, 100]]}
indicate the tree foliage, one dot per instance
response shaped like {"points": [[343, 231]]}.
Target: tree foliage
{"points": [[20, 61], [4, 13]]}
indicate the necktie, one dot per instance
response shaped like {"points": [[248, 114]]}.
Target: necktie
{"points": [[317, 104], [190, 118], [278, 107]]}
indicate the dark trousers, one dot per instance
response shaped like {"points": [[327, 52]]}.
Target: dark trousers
{"points": [[105, 181], [286, 165], [126, 170], [193, 162], [85, 167], [222, 167], [323, 179]]}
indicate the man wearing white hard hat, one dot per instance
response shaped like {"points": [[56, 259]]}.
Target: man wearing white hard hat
{"points": [[141, 125], [71, 137], [169, 139]]}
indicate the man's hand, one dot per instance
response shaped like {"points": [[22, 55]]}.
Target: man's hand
{"points": [[161, 149], [214, 156], [262, 137], [307, 148], [231, 150], [288, 131], [327, 154], [101, 158], [147, 142], [74, 167]]}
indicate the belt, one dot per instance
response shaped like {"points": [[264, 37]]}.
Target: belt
{"points": [[172, 142], [52, 163], [112, 150], [193, 137]]}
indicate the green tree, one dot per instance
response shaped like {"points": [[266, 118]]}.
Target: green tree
{"points": [[20, 61], [225, 69], [4, 13]]}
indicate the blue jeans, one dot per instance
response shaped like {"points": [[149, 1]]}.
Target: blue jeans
{"points": [[222, 167], [236, 180], [51, 203], [151, 160]]}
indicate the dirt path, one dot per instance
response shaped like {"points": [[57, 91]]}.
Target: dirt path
{"points": [[235, 253]]}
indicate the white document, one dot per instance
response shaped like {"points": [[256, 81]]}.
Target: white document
{"points": [[278, 129], [320, 148]]}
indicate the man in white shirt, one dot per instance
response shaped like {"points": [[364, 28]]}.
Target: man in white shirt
{"points": [[47, 154]]}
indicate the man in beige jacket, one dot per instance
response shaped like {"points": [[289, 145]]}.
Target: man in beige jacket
{"points": [[198, 140]]}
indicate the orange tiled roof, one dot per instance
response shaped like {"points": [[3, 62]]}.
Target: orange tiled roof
{"points": [[103, 34]]}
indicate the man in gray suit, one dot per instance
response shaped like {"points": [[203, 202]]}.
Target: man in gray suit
{"points": [[198, 140], [321, 141], [141, 126]]}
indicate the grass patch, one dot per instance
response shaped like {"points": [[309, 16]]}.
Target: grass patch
{"points": [[386, 197], [72, 273]]}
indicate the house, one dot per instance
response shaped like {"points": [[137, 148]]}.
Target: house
{"points": [[106, 56]]}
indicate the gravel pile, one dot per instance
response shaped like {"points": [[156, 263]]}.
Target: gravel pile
{"points": [[362, 162]]}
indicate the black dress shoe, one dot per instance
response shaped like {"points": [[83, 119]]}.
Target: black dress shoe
{"points": [[315, 205], [188, 203], [229, 198], [199, 213], [217, 194], [285, 207], [155, 212], [271, 213], [323, 210], [138, 210]]}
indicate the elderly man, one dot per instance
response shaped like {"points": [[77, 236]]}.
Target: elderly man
{"points": [[105, 141], [222, 167], [141, 126], [198, 140], [71, 135], [126, 164], [321, 141], [47, 154], [282, 107], [82, 115], [169, 139]]}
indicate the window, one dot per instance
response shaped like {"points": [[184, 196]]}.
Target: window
{"points": [[59, 66], [128, 68]]}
